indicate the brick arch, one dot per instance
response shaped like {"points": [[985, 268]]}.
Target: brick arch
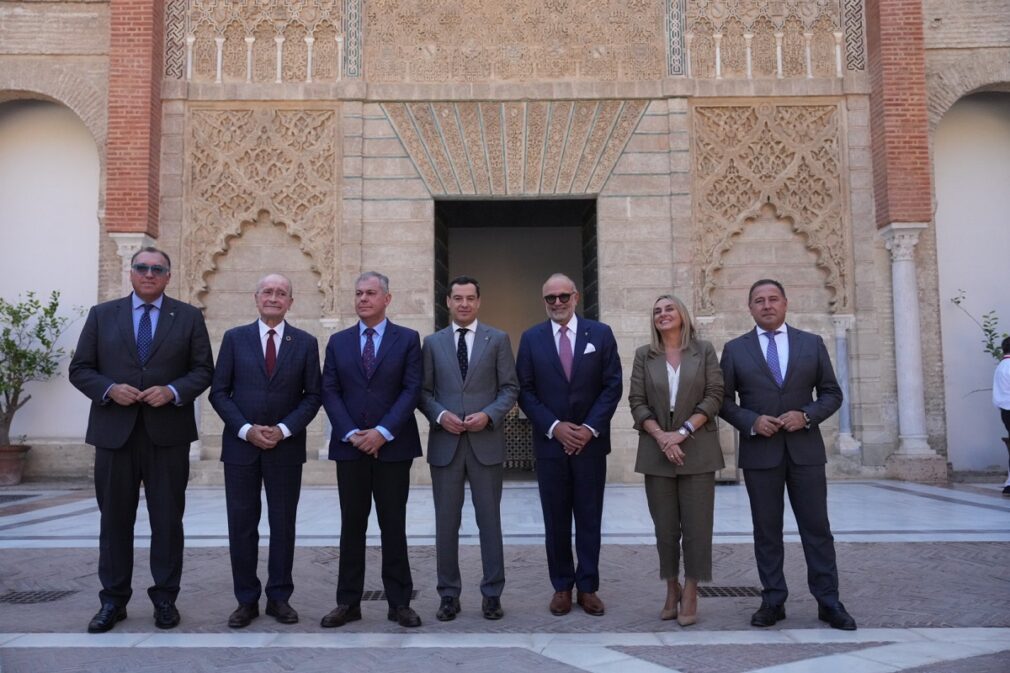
{"points": [[980, 71], [59, 85]]}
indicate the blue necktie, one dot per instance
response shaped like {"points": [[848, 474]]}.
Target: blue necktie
{"points": [[368, 353], [773, 357], [461, 354], [144, 335]]}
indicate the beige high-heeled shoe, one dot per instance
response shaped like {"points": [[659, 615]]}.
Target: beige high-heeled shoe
{"points": [[666, 614], [688, 620]]}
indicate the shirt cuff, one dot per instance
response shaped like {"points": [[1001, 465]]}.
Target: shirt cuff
{"points": [[176, 393], [385, 433], [347, 437], [438, 419], [284, 430], [105, 398], [243, 431], [550, 430], [591, 429]]}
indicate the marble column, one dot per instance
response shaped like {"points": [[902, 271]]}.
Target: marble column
{"points": [[848, 445], [914, 459]]}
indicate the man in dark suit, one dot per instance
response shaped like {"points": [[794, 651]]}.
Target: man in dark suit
{"points": [[371, 386], [775, 370], [266, 389], [142, 360], [570, 384], [469, 386]]}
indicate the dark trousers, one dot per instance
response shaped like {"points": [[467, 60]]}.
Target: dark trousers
{"points": [[808, 495], [359, 482], [572, 486], [164, 471], [242, 484]]}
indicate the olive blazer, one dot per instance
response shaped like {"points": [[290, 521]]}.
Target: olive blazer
{"points": [[700, 390]]}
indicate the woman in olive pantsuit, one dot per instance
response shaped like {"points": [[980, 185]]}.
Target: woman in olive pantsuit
{"points": [[676, 392]]}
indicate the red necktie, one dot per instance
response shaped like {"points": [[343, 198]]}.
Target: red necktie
{"points": [[271, 353]]}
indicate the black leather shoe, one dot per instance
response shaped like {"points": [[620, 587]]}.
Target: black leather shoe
{"points": [[243, 615], [404, 616], [768, 614], [165, 615], [340, 615], [106, 618], [491, 607], [836, 617], [448, 610], [282, 612]]}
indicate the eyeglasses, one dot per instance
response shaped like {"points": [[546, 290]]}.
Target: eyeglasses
{"points": [[555, 298], [155, 269]]}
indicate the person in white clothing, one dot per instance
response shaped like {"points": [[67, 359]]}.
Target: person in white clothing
{"points": [[1001, 396]]}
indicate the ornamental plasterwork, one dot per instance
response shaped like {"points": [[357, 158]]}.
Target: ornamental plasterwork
{"points": [[480, 40], [515, 148], [244, 162], [724, 31], [788, 156], [262, 40]]}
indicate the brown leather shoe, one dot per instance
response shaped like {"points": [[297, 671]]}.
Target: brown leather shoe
{"points": [[561, 603], [591, 603]]}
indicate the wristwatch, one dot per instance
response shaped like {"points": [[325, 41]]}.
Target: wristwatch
{"points": [[683, 432], [806, 420]]}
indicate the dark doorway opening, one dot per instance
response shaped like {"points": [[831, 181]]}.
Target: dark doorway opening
{"points": [[511, 246]]}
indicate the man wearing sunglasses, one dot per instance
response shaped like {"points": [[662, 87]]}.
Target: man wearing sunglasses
{"points": [[570, 383], [142, 360]]}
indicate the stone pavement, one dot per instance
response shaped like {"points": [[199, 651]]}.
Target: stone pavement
{"points": [[923, 569]]}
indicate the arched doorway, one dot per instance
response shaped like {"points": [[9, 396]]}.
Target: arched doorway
{"points": [[972, 170], [49, 188]]}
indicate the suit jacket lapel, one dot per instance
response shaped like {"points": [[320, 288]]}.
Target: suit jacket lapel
{"points": [[124, 319], [388, 339], [656, 364], [759, 357], [447, 342], [251, 336], [795, 353], [480, 342], [166, 321], [688, 371], [283, 351], [353, 348], [547, 338], [581, 339]]}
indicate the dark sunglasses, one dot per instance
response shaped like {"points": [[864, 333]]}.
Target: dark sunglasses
{"points": [[156, 269], [555, 298]]}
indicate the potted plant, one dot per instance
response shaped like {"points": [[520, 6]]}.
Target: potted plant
{"points": [[29, 330]]}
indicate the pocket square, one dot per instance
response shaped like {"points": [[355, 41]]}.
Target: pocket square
{"points": [[590, 348]]}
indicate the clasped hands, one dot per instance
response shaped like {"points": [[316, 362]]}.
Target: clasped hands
{"points": [[573, 437], [669, 444], [264, 436], [474, 422], [367, 441], [124, 394], [791, 421]]}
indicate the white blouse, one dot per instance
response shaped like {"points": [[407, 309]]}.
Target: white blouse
{"points": [[673, 379]]}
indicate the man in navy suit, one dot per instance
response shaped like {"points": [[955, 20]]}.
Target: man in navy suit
{"points": [[266, 389], [775, 370], [570, 383], [371, 385], [142, 360]]}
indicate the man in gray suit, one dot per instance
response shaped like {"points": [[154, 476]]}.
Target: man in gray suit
{"points": [[469, 386], [775, 370]]}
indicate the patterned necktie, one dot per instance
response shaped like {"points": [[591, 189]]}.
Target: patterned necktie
{"points": [[271, 353], [461, 354], [773, 357], [368, 354], [565, 352], [144, 335]]}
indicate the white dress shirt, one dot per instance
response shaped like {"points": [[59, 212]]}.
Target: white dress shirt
{"points": [[781, 343], [278, 338]]}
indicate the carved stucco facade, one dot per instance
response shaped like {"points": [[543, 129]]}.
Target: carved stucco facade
{"points": [[706, 130]]}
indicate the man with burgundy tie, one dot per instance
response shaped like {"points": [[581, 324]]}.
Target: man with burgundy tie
{"points": [[371, 386], [469, 386], [142, 360], [569, 387], [266, 389], [775, 370]]}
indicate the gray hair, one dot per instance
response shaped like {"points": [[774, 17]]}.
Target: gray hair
{"points": [[561, 276], [383, 280]]}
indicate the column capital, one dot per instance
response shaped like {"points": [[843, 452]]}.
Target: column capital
{"points": [[127, 244], [843, 322], [901, 238]]}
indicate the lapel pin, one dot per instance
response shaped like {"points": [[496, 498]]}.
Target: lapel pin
{"points": [[287, 337]]}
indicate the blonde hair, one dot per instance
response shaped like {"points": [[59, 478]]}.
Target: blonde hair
{"points": [[686, 329]]}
